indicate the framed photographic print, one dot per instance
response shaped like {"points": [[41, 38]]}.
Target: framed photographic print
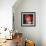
{"points": [[28, 19]]}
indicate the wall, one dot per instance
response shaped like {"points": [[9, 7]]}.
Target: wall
{"points": [[32, 33], [6, 13], [43, 22]]}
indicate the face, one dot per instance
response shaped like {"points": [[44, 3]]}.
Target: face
{"points": [[28, 18]]}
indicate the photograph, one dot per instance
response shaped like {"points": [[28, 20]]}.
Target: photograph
{"points": [[28, 19]]}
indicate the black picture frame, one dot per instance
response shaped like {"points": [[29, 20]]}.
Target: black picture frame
{"points": [[28, 19]]}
